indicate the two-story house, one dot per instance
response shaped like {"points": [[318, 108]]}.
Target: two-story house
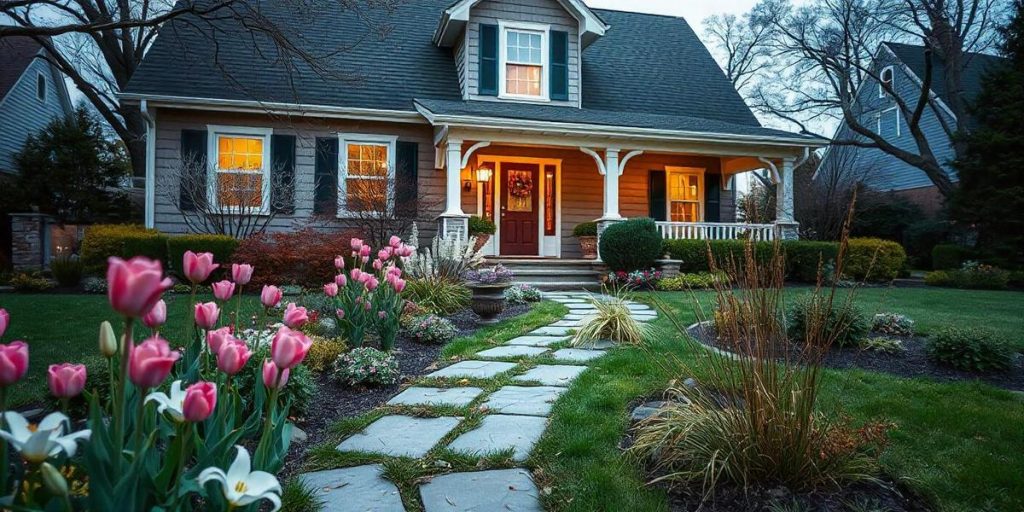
{"points": [[539, 114], [903, 66]]}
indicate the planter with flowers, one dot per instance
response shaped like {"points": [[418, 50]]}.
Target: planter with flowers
{"points": [[481, 229], [488, 286], [586, 233]]}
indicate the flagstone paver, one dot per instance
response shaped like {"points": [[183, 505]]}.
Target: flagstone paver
{"points": [[475, 369], [513, 351], [416, 395], [551, 331], [481, 491], [577, 355], [552, 374], [569, 323], [499, 432], [537, 341], [597, 345], [400, 436], [525, 400], [355, 489]]}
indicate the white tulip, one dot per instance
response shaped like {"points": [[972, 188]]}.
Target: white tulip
{"points": [[36, 443], [173, 404], [242, 486]]}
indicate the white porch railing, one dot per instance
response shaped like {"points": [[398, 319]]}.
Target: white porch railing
{"points": [[716, 231]]}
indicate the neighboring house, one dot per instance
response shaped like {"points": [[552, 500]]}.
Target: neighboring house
{"points": [[904, 66], [32, 93], [567, 114]]}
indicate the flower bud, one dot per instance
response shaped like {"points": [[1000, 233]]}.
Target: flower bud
{"points": [[53, 480], [108, 340]]}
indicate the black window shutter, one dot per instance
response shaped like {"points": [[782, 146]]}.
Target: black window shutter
{"points": [[488, 60], [325, 196], [712, 197], [406, 172], [559, 65], [282, 156], [193, 169], [657, 197]]}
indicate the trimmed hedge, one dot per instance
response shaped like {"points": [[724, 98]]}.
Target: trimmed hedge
{"points": [[630, 245], [802, 257], [222, 247], [122, 240]]}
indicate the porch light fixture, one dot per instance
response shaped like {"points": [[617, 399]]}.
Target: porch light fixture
{"points": [[483, 174]]}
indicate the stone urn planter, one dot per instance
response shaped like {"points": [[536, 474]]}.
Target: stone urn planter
{"points": [[586, 233], [488, 286]]}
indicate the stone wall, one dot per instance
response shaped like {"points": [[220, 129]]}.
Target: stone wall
{"points": [[29, 240]]}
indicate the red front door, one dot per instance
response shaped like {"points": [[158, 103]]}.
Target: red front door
{"points": [[519, 209]]}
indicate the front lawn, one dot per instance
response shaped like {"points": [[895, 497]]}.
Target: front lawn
{"points": [[956, 444], [65, 328]]}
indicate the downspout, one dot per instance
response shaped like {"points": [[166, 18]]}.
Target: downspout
{"points": [[150, 199]]}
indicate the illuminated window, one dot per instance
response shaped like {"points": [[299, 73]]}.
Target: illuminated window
{"points": [[242, 168], [684, 196], [366, 175], [549, 200], [525, 56]]}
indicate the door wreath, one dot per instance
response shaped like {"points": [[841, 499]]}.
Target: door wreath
{"points": [[520, 185]]}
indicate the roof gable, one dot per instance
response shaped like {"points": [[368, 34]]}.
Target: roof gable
{"points": [[913, 56], [454, 19], [17, 53]]}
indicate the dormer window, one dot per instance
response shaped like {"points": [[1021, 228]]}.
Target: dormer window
{"points": [[886, 81], [524, 56]]}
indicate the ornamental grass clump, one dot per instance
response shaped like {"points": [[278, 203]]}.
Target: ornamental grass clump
{"points": [[613, 321], [752, 421], [437, 295]]}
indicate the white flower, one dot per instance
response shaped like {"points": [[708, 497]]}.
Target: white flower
{"points": [[171, 404], [242, 487], [39, 442]]}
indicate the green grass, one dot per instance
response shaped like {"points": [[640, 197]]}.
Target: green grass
{"points": [[957, 444], [65, 328]]}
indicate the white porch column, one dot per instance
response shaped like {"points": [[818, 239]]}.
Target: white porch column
{"points": [[611, 185], [786, 226], [453, 172]]}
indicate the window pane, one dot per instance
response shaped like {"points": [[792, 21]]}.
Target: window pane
{"points": [[367, 160], [684, 187], [523, 80], [240, 153], [240, 190], [684, 211], [363, 195], [550, 208]]}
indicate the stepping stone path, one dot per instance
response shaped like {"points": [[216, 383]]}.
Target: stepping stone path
{"points": [[515, 417]]}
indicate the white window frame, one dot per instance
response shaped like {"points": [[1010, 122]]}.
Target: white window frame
{"points": [[344, 139], [213, 148], [699, 172], [545, 67], [892, 73], [881, 114]]}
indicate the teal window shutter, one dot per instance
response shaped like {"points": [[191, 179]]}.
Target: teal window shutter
{"points": [[325, 200], [407, 155], [488, 60], [193, 169], [712, 197], [282, 188], [559, 65], [657, 197]]}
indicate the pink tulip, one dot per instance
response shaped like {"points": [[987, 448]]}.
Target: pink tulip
{"points": [[289, 347], [134, 286], [364, 252], [232, 356], [5, 320], [372, 283], [216, 338], [198, 267], [241, 274], [151, 362], [395, 242], [340, 280], [223, 290], [377, 265], [156, 316], [295, 316], [339, 262], [200, 401], [357, 244], [66, 380], [405, 251], [331, 289], [340, 312], [13, 362], [206, 315], [384, 254], [271, 296], [270, 375], [382, 315], [357, 275], [398, 284]]}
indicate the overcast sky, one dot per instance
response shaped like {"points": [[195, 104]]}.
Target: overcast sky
{"points": [[693, 10]]}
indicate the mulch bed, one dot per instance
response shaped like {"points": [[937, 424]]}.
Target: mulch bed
{"points": [[914, 362]]}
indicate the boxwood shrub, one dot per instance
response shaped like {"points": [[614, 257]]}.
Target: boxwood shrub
{"points": [[222, 247], [122, 240], [874, 259], [630, 245]]}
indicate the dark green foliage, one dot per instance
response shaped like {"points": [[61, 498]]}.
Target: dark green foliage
{"points": [[437, 295], [585, 229], [222, 247], [124, 241], [67, 271], [30, 283], [299, 390], [971, 349], [802, 257], [299, 497], [972, 275], [480, 226], [873, 259], [846, 324], [72, 171], [630, 245], [949, 256], [991, 192], [920, 239]]}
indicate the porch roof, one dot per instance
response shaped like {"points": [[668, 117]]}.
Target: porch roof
{"points": [[442, 112]]}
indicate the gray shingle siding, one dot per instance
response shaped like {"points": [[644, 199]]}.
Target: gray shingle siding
{"points": [[22, 113], [548, 12]]}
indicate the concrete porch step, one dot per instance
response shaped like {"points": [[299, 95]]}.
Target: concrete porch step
{"points": [[549, 274]]}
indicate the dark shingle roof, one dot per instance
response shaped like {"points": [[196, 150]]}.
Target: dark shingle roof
{"points": [[16, 54], [977, 65], [644, 64]]}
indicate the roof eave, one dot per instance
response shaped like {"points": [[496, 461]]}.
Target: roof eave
{"points": [[263, 107]]}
